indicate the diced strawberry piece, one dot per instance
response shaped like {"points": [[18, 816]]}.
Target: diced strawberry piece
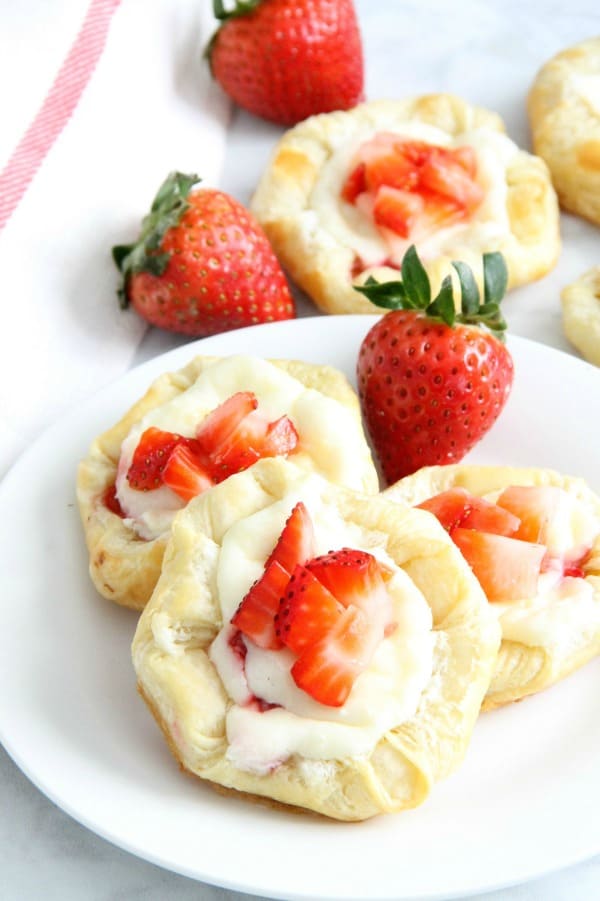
{"points": [[235, 435], [355, 184], [397, 210], [222, 422], [296, 544], [352, 576], [111, 501], [281, 438], [390, 169], [185, 473], [415, 152], [241, 448], [150, 458], [328, 669], [256, 614], [307, 611], [535, 505], [506, 568], [458, 508], [465, 157], [438, 212], [444, 175]]}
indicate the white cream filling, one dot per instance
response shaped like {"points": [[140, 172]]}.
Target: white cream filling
{"points": [[319, 420], [485, 228], [385, 695]]}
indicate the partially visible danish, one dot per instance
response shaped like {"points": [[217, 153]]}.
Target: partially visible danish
{"points": [[532, 538], [564, 113], [346, 194], [314, 646], [191, 430], [581, 314]]}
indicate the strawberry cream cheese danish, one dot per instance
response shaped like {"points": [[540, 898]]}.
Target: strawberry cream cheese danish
{"points": [[314, 646], [532, 538], [192, 430], [346, 194]]}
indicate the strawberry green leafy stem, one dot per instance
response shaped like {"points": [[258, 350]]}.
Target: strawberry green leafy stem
{"points": [[413, 292], [167, 208], [240, 8]]}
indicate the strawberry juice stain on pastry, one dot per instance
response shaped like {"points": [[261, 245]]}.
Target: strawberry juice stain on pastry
{"points": [[532, 538], [314, 646], [192, 430], [347, 193]]}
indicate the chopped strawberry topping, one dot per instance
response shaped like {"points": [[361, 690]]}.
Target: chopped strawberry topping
{"points": [[328, 669], [458, 508], [355, 184], [307, 611], [296, 544], [411, 186], [354, 578], [281, 438], [221, 423], [535, 505], [150, 458], [397, 210], [230, 439], [110, 500], [506, 568], [332, 611], [185, 474], [442, 174], [255, 616]]}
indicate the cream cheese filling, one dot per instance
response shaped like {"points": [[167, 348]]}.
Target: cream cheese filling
{"points": [[486, 228], [382, 697], [319, 420]]}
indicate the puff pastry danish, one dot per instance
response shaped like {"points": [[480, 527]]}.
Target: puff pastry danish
{"points": [[126, 529], [581, 314], [564, 114], [240, 712], [346, 193], [550, 611]]}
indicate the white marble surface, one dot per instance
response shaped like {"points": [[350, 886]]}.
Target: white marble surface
{"points": [[488, 52]]}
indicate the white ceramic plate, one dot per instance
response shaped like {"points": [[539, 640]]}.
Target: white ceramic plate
{"points": [[526, 800]]}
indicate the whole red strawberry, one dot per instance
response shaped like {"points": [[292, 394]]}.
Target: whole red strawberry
{"points": [[431, 380], [202, 264], [285, 60]]}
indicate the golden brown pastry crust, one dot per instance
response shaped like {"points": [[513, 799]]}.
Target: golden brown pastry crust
{"points": [[566, 127], [581, 314], [322, 266], [185, 693], [521, 669], [124, 567]]}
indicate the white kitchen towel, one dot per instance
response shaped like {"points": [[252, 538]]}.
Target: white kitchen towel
{"points": [[101, 100]]}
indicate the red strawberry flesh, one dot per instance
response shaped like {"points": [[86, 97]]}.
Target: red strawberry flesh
{"points": [[296, 544], [307, 611], [255, 615]]}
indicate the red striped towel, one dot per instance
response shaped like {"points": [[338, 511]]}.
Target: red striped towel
{"points": [[129, 100]]}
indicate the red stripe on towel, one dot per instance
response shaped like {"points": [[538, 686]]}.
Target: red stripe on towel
{"points": [[57, 108]]}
